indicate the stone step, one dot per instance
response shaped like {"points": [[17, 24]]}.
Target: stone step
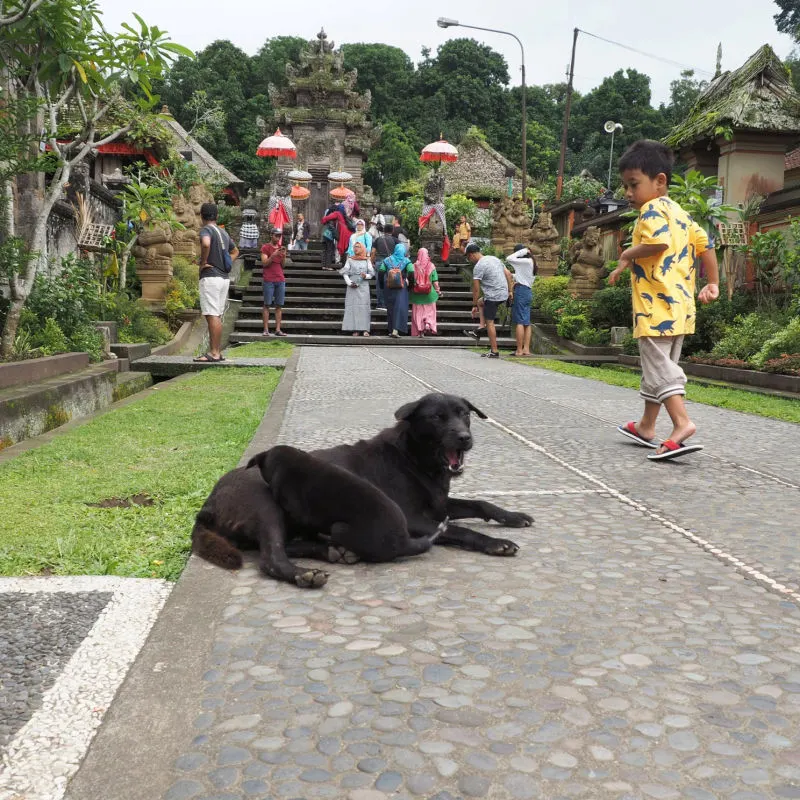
{"points": [[248, 324], [377, 339], [337, 282], [448, 301], [332, 312]]}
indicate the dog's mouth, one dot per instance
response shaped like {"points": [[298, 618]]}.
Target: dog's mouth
{"points": [[454, 461]]}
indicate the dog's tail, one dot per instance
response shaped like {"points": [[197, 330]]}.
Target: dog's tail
{"points": [[208, 544]]}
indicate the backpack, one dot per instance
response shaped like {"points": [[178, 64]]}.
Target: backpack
{"points": [[394, 278], [227, 262], [422, 280]]}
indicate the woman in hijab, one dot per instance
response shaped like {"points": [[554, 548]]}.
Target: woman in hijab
{"points": [[356, 272], [395, 290], [424, 294], [362, 236]]}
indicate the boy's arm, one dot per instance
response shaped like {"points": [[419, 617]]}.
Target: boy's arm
{"points": [[708, 258], [476, 293], [509, 281], [631, 254]]}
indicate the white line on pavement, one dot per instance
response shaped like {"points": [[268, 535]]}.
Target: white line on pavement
{"points": [[709, 547], [48, 749]]}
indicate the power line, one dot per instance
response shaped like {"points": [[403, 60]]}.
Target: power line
{"points": [[649, 55]]}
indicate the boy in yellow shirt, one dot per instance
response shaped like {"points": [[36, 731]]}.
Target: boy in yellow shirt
{"points": [[662, 260]]}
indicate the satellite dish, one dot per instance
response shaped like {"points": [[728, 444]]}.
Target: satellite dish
{"points": [[610, 126]]}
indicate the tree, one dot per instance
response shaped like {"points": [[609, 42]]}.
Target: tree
{"points": [[269, 64], [543, 150], [787, 20], [12, 12], [61, 57], [792, 61], [388, 74], [391, 161], [683, 94]]}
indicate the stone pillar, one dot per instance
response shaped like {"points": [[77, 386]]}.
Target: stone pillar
{"points": [[752, 163]]}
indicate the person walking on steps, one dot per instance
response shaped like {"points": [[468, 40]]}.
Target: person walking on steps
{"points": [[491, 277], [395, 270], [382, 248], [273, 257], [666, 242], [425, 292], [217, 253]]}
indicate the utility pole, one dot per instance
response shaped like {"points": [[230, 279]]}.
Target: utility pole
{"points": [[562, 157]]}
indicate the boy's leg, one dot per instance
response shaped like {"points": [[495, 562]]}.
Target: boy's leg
{"points": [[268, 292], [520, 333], [481, 317], [492, 334], [663, 381]]}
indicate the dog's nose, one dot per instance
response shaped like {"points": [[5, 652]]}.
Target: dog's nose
{"points": [[465, 439]]}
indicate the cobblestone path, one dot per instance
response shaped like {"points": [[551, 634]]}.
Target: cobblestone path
{"points": [[644, 643]]}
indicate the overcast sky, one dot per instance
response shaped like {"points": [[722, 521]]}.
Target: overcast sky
{"points": [[685, 31]]}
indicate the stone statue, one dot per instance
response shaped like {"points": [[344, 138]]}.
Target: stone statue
{"points": [[431, 235], [279, 208], [587, 264], [153, 253], [545, 244], [185, 241], [199, 194], [511, 223]]}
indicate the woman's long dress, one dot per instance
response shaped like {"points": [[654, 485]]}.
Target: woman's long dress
{"points": [[397, 304], [356, 301]]}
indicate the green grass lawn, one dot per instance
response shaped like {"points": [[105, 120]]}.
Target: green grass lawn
{"points": [[272, 349], [171, 445], [763, 405]]}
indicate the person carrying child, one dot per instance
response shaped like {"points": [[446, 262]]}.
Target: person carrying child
{"points": [[525, 270], [666, 244]]}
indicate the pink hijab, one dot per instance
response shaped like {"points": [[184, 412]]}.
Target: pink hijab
{"points": [[424, 261], [349, 204]]}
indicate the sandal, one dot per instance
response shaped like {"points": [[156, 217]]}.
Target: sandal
{"points": [[629, 430], [207, 358], [674, 449]]}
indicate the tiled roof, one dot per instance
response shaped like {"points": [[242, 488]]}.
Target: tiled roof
{"points": [[792, 160]]}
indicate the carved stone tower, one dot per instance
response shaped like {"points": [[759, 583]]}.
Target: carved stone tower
{"points": [[325, 117]]}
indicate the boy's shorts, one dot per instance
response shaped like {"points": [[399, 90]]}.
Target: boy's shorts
{"points": [[490, 309], [213, 296], [274, 293], [661, 375], [521, 308]]}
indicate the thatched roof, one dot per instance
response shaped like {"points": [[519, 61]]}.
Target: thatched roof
{"points": [[201, 158], [480, 172], [757, 97]]}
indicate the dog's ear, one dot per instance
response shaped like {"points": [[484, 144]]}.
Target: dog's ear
{"points": [[407, 411], [474, 408]]}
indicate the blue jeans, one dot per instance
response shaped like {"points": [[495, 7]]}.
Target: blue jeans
{"points": [[300, 244], [380, 297]]}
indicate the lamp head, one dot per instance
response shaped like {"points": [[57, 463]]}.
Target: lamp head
{"points": [[445, 22]]}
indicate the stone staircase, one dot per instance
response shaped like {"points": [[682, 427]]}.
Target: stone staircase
{"points": [[315, 306]]}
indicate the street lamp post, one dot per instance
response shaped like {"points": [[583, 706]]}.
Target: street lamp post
{"points": [[444, 22], [611, 127]]}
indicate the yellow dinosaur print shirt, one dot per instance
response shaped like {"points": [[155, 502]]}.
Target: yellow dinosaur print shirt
{"points": [[663, 286]]}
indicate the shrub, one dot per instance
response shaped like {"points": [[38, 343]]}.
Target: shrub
{"points": [[50, 340], [611, 307], [711, 320], [186, 272], [87, 339], [735, 363], [547, 289], [745, 336], [786, 365], [784, 342], [592, 337], [570, 325], [630, 345]]}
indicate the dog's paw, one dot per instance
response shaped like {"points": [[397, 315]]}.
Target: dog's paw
{"points": [[516, 519], [311, 579], [339, 555], [501, 547]]}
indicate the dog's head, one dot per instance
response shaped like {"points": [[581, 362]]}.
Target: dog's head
{"points": [[438, 425]]}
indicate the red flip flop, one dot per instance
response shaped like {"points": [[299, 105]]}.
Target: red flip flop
{"points": [[629, 431], [674, 450]]}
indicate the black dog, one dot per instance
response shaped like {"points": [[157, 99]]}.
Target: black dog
{"points": [[412, 463], [240, 514], [326, 499]]}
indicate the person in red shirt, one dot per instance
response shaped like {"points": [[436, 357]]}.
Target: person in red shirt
{"points": [[273, 256]]}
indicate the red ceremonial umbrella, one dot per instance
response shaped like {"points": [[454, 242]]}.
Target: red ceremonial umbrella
{"points": [[341, 193], [438, 152], [276, 146], [299, 193]]}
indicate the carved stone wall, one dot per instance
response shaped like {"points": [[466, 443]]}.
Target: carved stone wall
{"points": [[480, 172]]}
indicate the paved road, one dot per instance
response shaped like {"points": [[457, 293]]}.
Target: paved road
{"points": [[644, 643]]}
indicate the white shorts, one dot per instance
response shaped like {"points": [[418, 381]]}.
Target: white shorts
{"points": [[213, 296], [662, 377]]}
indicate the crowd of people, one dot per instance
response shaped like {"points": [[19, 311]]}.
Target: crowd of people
{"points": [[381, 252]]}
